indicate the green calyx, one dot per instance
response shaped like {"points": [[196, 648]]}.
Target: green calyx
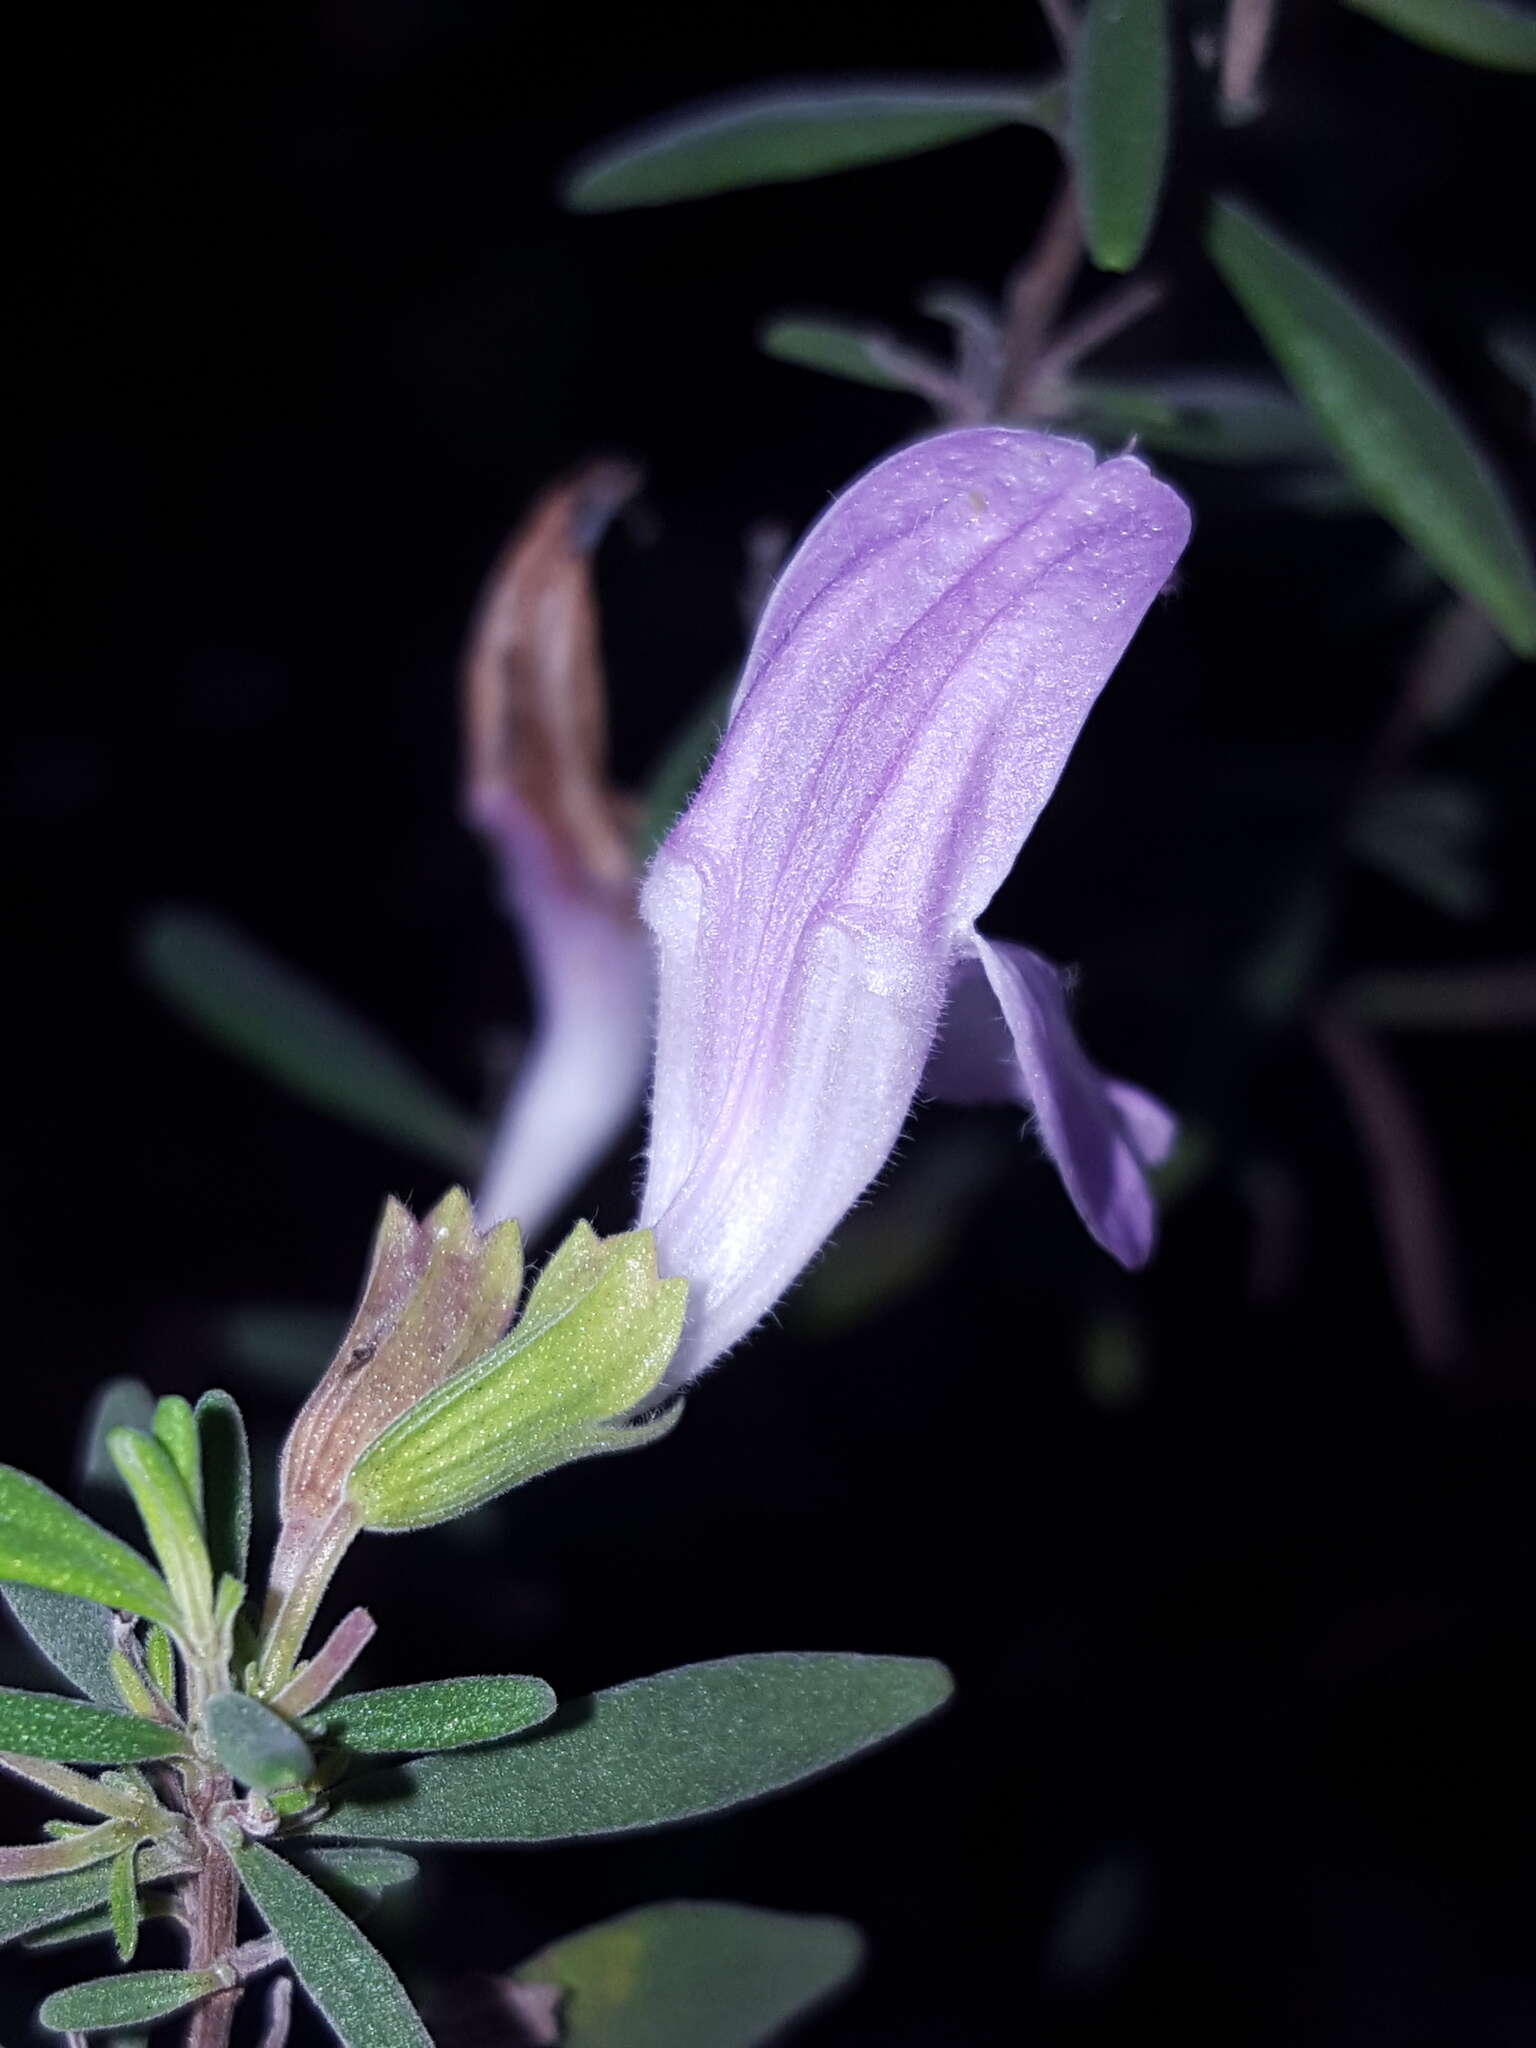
{"points": [[592, 1345]]}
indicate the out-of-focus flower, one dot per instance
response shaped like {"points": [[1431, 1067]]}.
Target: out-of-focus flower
{"points": [[918, 680], [536, 791]]}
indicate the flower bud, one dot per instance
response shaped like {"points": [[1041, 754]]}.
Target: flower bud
{"points": [[438, 1295], [593, 1343]]}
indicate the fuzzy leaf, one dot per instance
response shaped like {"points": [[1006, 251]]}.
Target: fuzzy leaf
{"points": [[445, 1713], [45, 1542], [1122, 81], [175, 1429], [123, 1902], [171, 1522], [1503, 38], [1392, 429], [71, 1732], [74, 1635], [343, 1973], [255, 1745], [794, 131], [125, 2001], [694, 1975], [698, 1740], [280, 1022], [44, 1901], [226, 1463]]}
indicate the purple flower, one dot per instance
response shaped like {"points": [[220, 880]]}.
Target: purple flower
{"points": [[918, 680], [537, 792]]}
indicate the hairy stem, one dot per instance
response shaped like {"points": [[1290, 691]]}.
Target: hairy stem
{"points": [[302, 1569]]}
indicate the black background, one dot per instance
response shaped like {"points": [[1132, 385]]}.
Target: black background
{"points": [[1242, 1742]]}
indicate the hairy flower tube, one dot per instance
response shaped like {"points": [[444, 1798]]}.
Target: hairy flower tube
{"points": [[918, 680]]}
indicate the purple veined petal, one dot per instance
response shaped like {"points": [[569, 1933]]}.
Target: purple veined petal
{"points": [[1007, 1037], [918, 680], [582, 1074]]}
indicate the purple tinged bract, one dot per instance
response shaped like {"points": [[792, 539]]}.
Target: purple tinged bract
{"points": [[918, 680]]}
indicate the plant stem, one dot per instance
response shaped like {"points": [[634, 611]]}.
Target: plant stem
{"points": [[1243, 48], [212, 1903], [302, 1568]]}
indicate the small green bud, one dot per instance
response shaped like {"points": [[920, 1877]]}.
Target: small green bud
{"points": [[592, 1345]]}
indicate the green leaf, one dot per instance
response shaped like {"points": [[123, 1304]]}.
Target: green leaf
{"points": [[343, 1973], [1211, 417], [787, 133], [71, 1732], [74, 1635], [117, 1404], [444, 1713], [255, 1745], [287, 1346], [175, 1430], [226, 1466], [45, 1542], [172, 1525], [840, 348], [694, 1741], [40, 1901], [681, 769], [1477, 31], [1392, 429], [694, 1975], [1121, 91], [301, 1037], [123, 1903], [369, 1869], [44, 1901], [126, 2000]]}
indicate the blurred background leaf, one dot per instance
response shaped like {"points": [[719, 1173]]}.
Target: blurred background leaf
{"points": [[791, 132], [283, 1024], [1393, 430]]}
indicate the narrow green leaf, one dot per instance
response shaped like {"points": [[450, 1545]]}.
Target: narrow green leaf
{"points": [[74, 1635], [694, 1741], [125, 2001], [97, 1926], [71, 1732], [226, 1465], [171, 1523], [1121, 92], [1393, 431], [1503, 38], [294, 1032], [45, 1542], [45, 1901], [255, 1745], [160, 1662], [1210, 417], [840, 348], [694, 1975], [444, 1713], [370, 1869], [175, 1429], [787, 133], [343, 1973], [288, 1346], [40, 1901], [123, 1903], [681, 769], [117, 1404]]}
